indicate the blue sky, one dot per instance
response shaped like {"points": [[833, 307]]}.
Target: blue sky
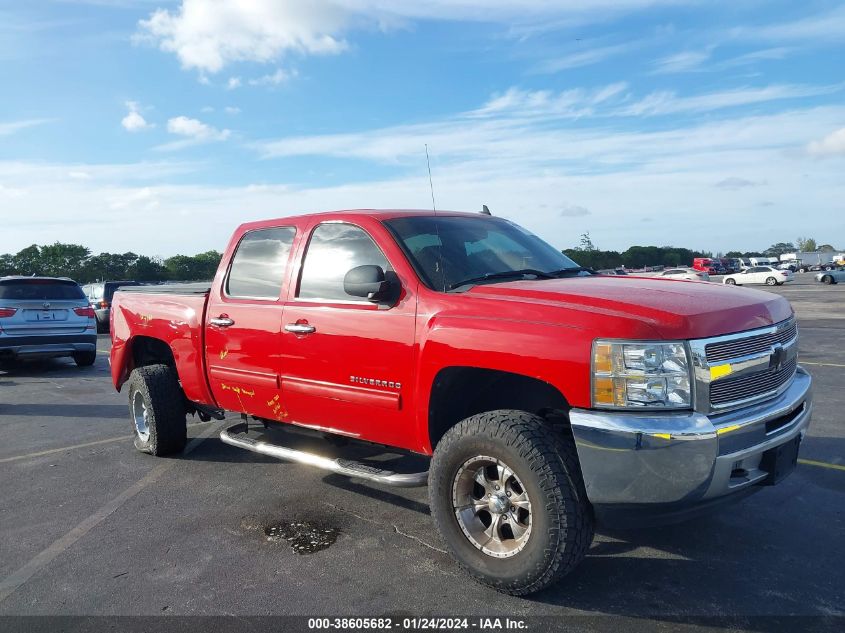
{"points": [[157, 127]]}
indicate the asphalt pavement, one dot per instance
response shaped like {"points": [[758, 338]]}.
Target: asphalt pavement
{"points": [[89, 526]]}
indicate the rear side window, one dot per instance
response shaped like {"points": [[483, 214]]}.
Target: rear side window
{"points": [[40, 290], [259, 264], [335, 249], [114, 285]]}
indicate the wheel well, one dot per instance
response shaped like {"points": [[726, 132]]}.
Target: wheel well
{"points": [[151, 351], [459, 392]]}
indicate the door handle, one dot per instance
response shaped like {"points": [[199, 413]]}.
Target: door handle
{"points": [[300, 328], [222, 321]]}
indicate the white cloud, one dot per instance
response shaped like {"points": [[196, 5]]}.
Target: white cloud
{"points": [[207, 36], [134, 121], [684, 61], [828, 26], [193, 132], [278, 77], [232, 110], [582, 58], [830, 145], [234, 82], [735, 182], [532, 172], [668, 102], [573, 211], [571, 103], [11, 127]]}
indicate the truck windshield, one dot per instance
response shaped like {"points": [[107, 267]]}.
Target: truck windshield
{"points": [[449, 252]]}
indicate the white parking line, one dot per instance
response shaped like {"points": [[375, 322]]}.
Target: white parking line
{"points": [[13, 581], [63, 449]]}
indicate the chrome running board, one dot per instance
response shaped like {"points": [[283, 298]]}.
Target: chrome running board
{"points": [[234, 436]]}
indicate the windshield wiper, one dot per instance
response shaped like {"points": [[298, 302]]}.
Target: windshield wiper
{"points": [[574, 269], [505, 274]]}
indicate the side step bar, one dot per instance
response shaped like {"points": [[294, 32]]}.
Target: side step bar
{"points": [[234, 436]]}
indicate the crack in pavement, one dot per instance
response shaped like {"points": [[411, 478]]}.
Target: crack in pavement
{"points": [[396, 530]]}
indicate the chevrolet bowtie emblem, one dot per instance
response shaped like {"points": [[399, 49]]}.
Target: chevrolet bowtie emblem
{"points": [[777, 357]]}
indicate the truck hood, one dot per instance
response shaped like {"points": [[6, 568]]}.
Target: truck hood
{"points": [[675, 309]]}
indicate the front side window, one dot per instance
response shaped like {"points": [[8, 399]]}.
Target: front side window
{"points": [[336, 248], [446, 250], [259, 264]]}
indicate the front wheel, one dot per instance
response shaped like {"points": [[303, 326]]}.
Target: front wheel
{"points": [[730, 282], [508, 499], [157, 410], [827, 279], [771, 281]]}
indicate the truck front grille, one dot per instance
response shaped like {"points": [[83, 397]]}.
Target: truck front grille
{"points": [[753, 344], [762, 364], [752, 386]]}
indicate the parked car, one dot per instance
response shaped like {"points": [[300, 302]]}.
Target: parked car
{"points": [[46, 317], [547, 398], [759, 275], [706, 264], [831, 276], [100, 296], [612, 271], [685, 273]]}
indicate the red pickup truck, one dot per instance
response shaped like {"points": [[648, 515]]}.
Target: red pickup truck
{"points": [[548, 398]]}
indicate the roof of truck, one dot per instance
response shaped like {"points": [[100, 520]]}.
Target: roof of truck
{"points": [[378, 214]]}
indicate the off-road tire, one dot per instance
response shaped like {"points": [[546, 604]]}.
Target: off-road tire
{"points": [[158, 386], [85, 359], [546, 463]]}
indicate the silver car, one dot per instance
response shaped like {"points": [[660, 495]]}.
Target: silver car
{"points": [[46, 317], [831, 276]]}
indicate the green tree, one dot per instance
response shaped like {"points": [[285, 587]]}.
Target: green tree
{"points": [[827, 248], [63, 260], [586, 243], [27, 261], [806, 244], [146, 269], [776, 250]]}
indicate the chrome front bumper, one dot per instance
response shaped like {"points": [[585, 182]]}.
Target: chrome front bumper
{"points": [[679, 460]]}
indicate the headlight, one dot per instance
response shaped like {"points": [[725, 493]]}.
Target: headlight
{"points": [[641, 375]]}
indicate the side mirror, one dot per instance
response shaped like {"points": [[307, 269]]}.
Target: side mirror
{"points": [[367, 281]]}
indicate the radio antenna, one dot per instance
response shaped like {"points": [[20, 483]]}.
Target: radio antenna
{"points": [[430, 182]]}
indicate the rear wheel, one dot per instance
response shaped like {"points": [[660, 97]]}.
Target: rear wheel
{"points": [[85, 359], [508, 499], [802, 270], [771, 281], [730, 282], [157, 410]]}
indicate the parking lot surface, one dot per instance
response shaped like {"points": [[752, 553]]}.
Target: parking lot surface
{"points": [[91, 526]]}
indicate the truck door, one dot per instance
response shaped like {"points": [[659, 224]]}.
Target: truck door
{"points": [[347, 363], [243, 321]]}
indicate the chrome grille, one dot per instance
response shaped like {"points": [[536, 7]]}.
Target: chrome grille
{"points": [[726, 350], [751, 386]]}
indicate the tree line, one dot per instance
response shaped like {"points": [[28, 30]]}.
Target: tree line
{"points": [[586, 254], [77, 262]]}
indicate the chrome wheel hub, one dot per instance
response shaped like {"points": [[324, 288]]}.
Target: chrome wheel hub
{"points": [[141, 416], [492, 506]]}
